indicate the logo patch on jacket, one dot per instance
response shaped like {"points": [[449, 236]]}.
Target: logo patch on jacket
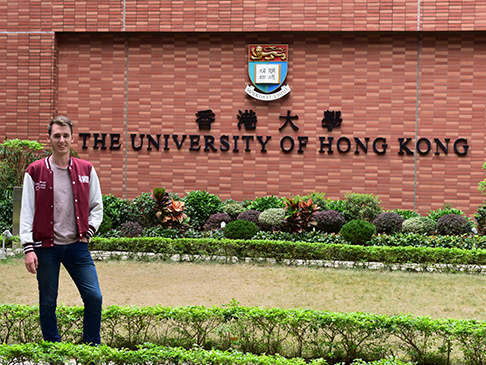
{"points": [[40, 185], [83, 179]]}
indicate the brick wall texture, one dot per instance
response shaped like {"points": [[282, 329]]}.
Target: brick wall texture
{"points": [[411, 75]]}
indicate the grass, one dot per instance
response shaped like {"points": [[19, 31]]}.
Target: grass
{"points": [[127, 283]]}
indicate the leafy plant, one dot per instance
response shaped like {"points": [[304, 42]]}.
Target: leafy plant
{"points": [[214, 221], [389, 223], [250, 216], [317, 198], [419, 225], [106, 225], [358, 231], [118, 210], [453, 224], [131, 229], [480, 217], [233, 209], [446, 209], [6, 211], [482, 184], [176, 217], [15, 156], [405, 213], [200, 205], [337, 205], [329, 221], [299, 214], [144, 205], [361, 206], [240, 229], [272, 219], [169, 212], [162, 202], [267, 202]]}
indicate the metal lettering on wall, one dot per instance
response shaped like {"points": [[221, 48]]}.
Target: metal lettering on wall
{"points": [[248, 120]]}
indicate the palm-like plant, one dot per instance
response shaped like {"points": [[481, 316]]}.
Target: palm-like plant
{"points": [[169, 212], [299, 215]]}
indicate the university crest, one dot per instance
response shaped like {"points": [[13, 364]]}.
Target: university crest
{"points": [[267, 68]]}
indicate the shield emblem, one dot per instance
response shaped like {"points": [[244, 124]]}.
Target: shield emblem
{"points": [[267, 66]]}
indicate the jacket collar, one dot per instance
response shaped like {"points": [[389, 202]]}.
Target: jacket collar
{"points": [[48, 162]]}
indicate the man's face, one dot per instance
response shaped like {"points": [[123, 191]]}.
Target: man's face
{"points": [[60, 139]]}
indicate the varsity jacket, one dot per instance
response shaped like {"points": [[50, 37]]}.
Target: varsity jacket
{"points": [[37, 212]]}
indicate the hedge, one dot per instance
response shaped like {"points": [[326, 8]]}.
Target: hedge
{"points": [[301, 253], [149, 355], [292, 333]]}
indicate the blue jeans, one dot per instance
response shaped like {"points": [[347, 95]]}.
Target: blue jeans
{"points": [[80, 266]]}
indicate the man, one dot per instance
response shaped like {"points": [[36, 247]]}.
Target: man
{"points": [[61, 210]]}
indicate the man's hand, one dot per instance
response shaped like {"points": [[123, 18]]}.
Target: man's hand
{"points": [[31, 262]]}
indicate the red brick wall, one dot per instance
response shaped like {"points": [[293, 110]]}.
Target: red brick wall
{"points": [[360, 58]]}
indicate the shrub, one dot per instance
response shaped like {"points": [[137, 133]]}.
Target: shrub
{"points": [[452, 224], [118, 210], [131, 229], [200, 205], [446, 209], [405, 213], [419, 225], [357, 231], [361, 207], [233, 209], [267, 202], [249, 215], [317, 198], [336, 205], [389, 223], [144, 205], [105, 226], [240, 229], [272, 219], [214, 221], [329, 221], [480, 217], [15, 156], [6, 211]]}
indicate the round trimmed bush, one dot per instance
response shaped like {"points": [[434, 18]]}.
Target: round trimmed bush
{"points": [[249, 215], [452, 224], [233, 209], [240, 229], [389, 223], [329, 221], [272, 219], [214, 221], [358, 231], [131, 229], [419, 225], [361, 207]]}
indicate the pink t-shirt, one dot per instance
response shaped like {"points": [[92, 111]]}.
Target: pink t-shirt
{"points": [[65, 227]]}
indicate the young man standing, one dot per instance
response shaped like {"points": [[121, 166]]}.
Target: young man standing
{"points": [[61, 210]]}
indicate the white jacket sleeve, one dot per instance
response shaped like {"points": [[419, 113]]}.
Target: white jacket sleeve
{"points": [[95, 204], [27, 213]]}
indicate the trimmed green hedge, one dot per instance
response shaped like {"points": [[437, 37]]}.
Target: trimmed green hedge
{"points": [[302, 253], [150, 354], [293, 333]]}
